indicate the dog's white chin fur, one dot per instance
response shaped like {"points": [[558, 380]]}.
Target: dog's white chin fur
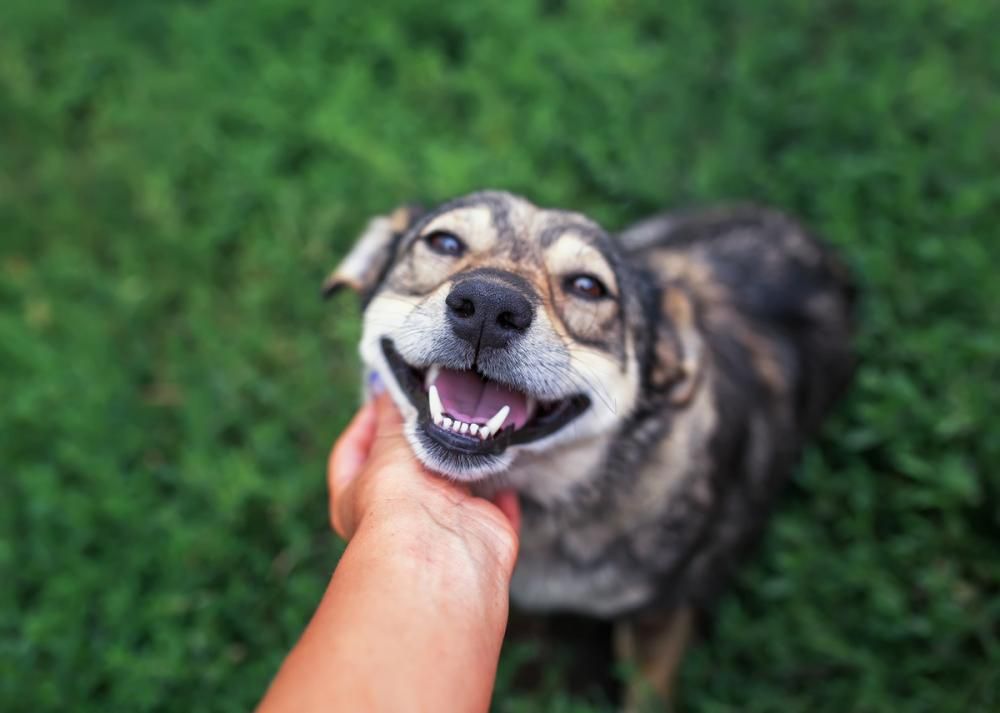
{"points": [[491, 465]]}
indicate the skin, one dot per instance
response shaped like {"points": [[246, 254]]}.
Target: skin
{"points": [[415, 613]]}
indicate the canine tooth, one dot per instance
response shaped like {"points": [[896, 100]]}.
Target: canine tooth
{"points": [[484, 433], [496, 423], [473, 427], [434, 401], [445, 422], [531, 405], [456, 425], [465, 428], [432, 375]]}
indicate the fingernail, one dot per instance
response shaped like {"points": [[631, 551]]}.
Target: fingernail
{"points": [[375, 385]]}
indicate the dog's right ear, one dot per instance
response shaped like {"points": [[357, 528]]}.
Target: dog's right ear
{"points": [[363, 268], [679, 349]]}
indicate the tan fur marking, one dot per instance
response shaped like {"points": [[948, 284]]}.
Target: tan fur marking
{"points": [[473, 225], [761, 350], [674, 267], [679, 350], [655, 645], [335, 281], [401, 218], [717, 310], [572, 254]]}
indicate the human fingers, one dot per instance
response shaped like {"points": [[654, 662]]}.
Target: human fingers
{"points": [[349, 454], [507, 502], [380, 475]]}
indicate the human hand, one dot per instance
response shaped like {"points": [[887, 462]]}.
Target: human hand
{"points": [[375, 480], [415, 613]]}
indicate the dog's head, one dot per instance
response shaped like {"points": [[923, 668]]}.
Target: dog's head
{"points": [[498, 327]]}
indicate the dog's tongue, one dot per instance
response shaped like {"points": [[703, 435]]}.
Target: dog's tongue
{"points": [[467, 397]]}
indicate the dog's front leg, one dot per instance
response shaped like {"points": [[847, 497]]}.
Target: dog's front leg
{"points": [[652, 645]]}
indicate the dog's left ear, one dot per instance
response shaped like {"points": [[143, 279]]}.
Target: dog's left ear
{"points": [[364, 266], [679, 350]]}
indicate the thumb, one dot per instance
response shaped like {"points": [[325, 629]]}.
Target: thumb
{"points": [[351, 450], [388, 420], [389, 429]]}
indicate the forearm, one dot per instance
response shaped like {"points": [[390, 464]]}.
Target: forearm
{"points": [[413, 619]]}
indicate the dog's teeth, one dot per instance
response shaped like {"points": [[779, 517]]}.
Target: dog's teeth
{"points": [[473, 427], [484, 433], [531, 405], [445, 422], [434, 401], [496, 423], [465, 428], [456, 425], [432, 375]]}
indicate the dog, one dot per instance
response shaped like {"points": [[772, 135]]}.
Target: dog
{"points": [[646, 393]]}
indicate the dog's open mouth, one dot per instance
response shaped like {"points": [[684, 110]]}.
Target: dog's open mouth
{"points": [[470, 413]]}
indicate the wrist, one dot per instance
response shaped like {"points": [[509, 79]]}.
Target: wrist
{"points": [[449, 540]]}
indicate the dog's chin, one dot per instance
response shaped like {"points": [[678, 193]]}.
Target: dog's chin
{"points": [[456, 464], [467, 426]]}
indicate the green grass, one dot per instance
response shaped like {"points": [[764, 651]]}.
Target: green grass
{"points": [[177, 178]]}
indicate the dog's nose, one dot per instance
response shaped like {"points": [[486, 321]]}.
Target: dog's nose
{"points": [[488, 312]]}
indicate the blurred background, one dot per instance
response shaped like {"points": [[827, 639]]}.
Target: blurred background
{"points": [[176, 178]]}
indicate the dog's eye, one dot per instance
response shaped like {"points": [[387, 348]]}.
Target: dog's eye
{"points": [[445, 243], [586, 286]]}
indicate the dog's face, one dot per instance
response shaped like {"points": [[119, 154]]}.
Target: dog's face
{"points": [[497, 327]]}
